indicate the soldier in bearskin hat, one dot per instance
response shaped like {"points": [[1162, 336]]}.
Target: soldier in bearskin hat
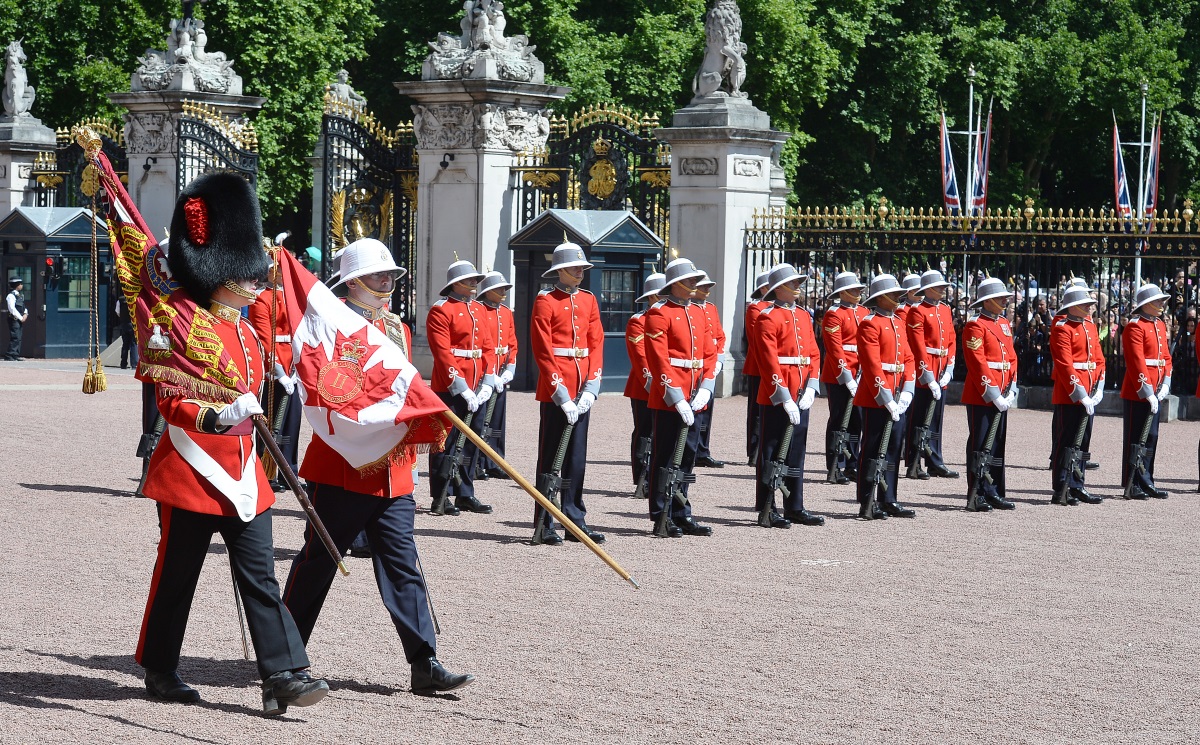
{"points": [[204, 473]]}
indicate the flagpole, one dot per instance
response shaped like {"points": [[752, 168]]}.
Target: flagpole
{"points": [[970, 195], [1141, 209]]}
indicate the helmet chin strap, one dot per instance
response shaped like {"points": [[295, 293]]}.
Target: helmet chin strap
{"points": [[384, 297], [237, 289]]}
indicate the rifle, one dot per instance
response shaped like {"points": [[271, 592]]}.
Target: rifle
{"points": [[486, 430], [875, 470], [450, 471], [838, 442], [146, 447], [281, 402], [673, 478], [774, 473], [1138, 452], [982, 461], [642, 454], [921, 437], [550, 483]]}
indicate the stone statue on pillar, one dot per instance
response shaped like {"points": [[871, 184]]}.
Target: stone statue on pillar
{"points": [[482, 50], [186, 65], [342, 93], [18, 93], [723, 68]]}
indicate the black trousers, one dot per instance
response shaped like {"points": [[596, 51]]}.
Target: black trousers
{"points": [[874, 422], [774, 424], [643, 426], [1087, 436], [128, 345], [181, 551], [470, 452], [922, 400], [550, 433], [1067, 420], [1136, 413], [496, 440], [839, 399], [15, 328], [704, 420], [388, 524], [979, 419], [667, 426], [753, 414]]}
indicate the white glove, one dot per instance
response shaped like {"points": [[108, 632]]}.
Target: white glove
{"points": [[472, 401], [585, 402], [506, 377], [1012, 398], [1002, 404], [685, 411], [701, 399], [947, 376], [720, 366], [287, 381], [242, 408], [905, 401], [793, 412], [1153, 400], [894, 409], [806, 400], [852, 386], [1163, 392], [485, 394], [935, 390], [571, 411], [1088, 405]]}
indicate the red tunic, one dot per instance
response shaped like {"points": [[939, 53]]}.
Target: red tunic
{"points": [[260, 318], [464, 352], [323, 465], [1078, 359], [991, 359], [679, 353], [884, 359], [568, 344], [751, 366], [791, 359], [172, 480], [713, 316], [499, 321], [1147, 357], [840, 329], [930, 330], [639, 369]]}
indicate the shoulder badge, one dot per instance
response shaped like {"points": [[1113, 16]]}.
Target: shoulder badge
{"points": [[974, 343]]}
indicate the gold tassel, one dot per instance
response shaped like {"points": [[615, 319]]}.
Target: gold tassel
{"points": [[268, 464], [89, 379], [101, 381]]}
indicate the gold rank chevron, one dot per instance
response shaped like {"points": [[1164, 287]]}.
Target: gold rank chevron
{"points": [[832, 329], [974, 343]]}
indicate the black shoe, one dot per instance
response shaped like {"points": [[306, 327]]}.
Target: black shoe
{"points": [[999, 502], [1083, 495], [550, 537], [922, 475], [774, 520], [670, 530], [851, 475], [751, 462], [942, 472], [981, 505], [279, 485], [1157, 493], [804, 517], [481, 475], [429, 677], [471, 504], [360, 548], [1091, 465], [708, 461], [839, 478], [595, 536], [876, 513], [691, 527], [895, 509], [449, 509], [286, 688], [169, 686], [498, 473]]}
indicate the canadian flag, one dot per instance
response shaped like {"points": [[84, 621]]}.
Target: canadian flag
{"points": [[360, 393]]}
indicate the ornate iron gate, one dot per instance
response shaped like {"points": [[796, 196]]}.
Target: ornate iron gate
{"points": [[211, 141], [602, 158], [370, 191], [58, 173]]}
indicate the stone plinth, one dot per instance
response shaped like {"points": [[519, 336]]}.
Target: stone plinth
{"points": [[722, 155], [151, 143], [468, 134], [21, 139]]}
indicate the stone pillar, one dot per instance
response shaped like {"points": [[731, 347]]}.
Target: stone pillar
{"points": [[22, 137], [723, 167]]}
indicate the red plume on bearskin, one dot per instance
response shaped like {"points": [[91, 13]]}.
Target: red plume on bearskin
{"points": [[196, 214]]}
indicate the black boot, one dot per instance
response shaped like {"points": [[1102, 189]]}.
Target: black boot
{"points": [[471, 504], [895, 509], [169, 686], [429, 677], [286, 688], [804, 517]]}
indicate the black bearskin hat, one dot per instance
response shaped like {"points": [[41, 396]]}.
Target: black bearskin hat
{"points": [[216, 235]]}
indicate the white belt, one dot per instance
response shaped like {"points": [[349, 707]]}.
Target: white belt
{"points": [[283, 339], [576, 352], [1086, 365], [1001, 365], [472, 354], [501, 350], [889, 367], [687, 364], [936, 351], [850, 348], [795, 360], [1156, 363], [242, 492]]}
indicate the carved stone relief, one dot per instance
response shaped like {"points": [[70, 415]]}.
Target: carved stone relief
{"points": [[444, 126], [698, 166], [747, 167], [150, 133], [186, 65], [482, 50], [511, 128]]}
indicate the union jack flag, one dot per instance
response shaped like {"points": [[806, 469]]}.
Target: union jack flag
{"points": [[983, 144], [950, 195], [1124, 207], [1149, 198]]}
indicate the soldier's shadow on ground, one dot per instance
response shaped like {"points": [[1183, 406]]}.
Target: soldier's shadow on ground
{"points": [[470, 535], [78, 488], [281, 554]]}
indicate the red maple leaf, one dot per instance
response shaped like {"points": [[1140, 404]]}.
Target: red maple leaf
{"points": [[340, 384]]}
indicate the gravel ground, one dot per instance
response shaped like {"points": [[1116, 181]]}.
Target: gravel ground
{"points": [[1043, 625]]}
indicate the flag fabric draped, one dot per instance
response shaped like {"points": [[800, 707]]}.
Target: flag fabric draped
{"points": [[360, 393], [1149, 197], [950, 194], [979, 186], [177, 347], [1124, 207]]}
